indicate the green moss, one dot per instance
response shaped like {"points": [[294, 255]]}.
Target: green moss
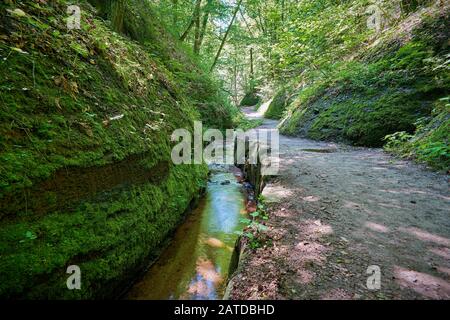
{"points": [[250, 99], [361, 103], [192, 78], [279, 104], [84, 101], [430, 142], [109, 237]]}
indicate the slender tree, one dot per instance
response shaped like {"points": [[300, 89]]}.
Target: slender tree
{"points": [[193, 20], [226, 35], [175, 13], [208, 9], [114, 10], [197, 27], [252, 73]]}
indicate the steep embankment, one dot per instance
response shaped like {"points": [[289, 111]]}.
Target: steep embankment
{"points": [[393, 80], [85, 122]]}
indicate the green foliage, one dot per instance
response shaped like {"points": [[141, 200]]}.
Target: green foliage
{"points": [[86, 101], [255, 230], [242, 122], [316, 34], [279, 104], [362, 102], [430, 142], [194, 81], [396, 140], [250, 99], [436, 153], [357, 85]]}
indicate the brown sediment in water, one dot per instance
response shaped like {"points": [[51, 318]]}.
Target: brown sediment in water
{"points": [[196, 263]]}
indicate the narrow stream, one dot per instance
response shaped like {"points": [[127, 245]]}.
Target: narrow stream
{"points": [[195, 265]]}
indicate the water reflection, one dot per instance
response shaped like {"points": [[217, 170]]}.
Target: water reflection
{"points": [[195, 265]]}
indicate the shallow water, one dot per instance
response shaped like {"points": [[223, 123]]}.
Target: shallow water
{"points": [[195, 265]]}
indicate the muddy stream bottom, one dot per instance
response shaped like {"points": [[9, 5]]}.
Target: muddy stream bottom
{"points": [[196, 263]]}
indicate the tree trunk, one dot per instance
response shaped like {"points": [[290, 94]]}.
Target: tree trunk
{"points": [[197, 27], [186, 33], [204, 24], [226, 36], [175, 14], [261, 23], [117, 15], [113, 10], [191, 24], [235, 76], [252, 73]]}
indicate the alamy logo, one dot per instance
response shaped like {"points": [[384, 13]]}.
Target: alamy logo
{"points": [[74, 281], [375, 20], [374, 281], [238, 147], [382, 14], [74, 19]]}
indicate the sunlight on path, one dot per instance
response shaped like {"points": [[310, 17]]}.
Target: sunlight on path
{"points": [[337, 212]]}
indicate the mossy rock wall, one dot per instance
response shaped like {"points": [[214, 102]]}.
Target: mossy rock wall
{"points": [[85, 171], [279, 104], [250, 99], [387, 89]]}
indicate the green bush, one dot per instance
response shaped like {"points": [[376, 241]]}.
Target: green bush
{"points": [[430, 142], [362, 102]]}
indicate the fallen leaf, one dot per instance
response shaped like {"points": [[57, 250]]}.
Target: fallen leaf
{"points": [[19, 50], [17, 12]]}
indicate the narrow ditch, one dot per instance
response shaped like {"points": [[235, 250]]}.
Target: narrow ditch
{"points": [[206, 249], [252, 174], [196, 264]]}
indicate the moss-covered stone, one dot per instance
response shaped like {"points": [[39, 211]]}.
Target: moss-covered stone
{"points": [[279, 104], [85, 172], [362, 101], [250, 99]]}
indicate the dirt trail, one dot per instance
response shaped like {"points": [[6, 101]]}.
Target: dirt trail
{"points": [[336, 210]]}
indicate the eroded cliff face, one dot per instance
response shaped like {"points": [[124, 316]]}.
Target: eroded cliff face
{"points": [[387, 84], [86, 176]]}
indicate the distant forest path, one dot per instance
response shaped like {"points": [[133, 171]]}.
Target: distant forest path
{"points": [[336, 210]]}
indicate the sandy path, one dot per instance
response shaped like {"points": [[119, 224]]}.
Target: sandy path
{"points": [[335, 211]]}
